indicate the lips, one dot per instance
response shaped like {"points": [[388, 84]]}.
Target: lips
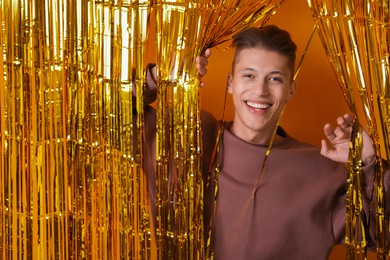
{"points": [[260, 106]]}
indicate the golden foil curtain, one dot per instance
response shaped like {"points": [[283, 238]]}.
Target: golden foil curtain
{"points": [[355, 35], [185, 28], [71, 160], [72, 153]]}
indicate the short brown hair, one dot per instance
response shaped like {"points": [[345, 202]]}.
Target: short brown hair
{"points": [[269, 37]]}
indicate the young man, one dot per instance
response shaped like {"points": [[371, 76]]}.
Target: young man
{"points": [[290, 203]]}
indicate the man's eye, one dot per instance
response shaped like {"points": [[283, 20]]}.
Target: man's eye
{"points": [[251, 76], [276, 79]]}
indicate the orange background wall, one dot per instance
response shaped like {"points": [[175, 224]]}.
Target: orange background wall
{"points": [[318, 97]]}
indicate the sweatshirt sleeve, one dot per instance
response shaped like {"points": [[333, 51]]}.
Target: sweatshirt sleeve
{"points": [[150, 87], [370, 202]]}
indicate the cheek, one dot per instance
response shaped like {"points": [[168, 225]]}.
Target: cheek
{"points": [[236, 88], [282, 94], [233, 94], [233, 87]]}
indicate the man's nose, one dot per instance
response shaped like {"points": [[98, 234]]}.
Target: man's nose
{"points": [[260, 88]]}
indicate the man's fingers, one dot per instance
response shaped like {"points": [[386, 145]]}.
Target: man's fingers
{"points": [[349, 118], [329, 132], [344, 123], [207, 53], [324, 147], [201, 64]]}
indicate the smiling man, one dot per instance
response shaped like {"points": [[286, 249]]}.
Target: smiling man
{"points": [[289, 204], [261, 83]]}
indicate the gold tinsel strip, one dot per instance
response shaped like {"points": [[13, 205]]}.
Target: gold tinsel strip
{"points": [[355, 237]]}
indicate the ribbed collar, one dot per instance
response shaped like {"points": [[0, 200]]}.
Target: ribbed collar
{"points": [[285, 143]]}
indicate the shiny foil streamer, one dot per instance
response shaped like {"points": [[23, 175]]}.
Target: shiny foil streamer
{"points": [[355, 35], [71, 179], [185, 28], [355, 238]]}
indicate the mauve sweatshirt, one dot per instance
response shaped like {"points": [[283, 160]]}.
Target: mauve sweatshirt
{"points": [[297, 210]]}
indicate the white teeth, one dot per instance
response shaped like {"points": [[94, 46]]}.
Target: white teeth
{"points": [[257, 105]]}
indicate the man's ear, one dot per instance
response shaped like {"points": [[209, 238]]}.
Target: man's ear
{"points": [[229, 83], [292, 90]]}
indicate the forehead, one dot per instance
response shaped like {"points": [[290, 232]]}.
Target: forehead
{"points": [[261, 59]]}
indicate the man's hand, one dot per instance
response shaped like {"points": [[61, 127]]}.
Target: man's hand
{"points": [[337, 149], [201, 64]]}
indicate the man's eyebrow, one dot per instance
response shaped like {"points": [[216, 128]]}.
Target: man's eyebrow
{"points": [[278, 72], [247, 69]]}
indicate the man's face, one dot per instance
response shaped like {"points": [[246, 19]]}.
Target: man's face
{"points": [[261, 84]]}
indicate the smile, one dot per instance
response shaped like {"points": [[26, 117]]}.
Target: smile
{"points": [[261, 106]]}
